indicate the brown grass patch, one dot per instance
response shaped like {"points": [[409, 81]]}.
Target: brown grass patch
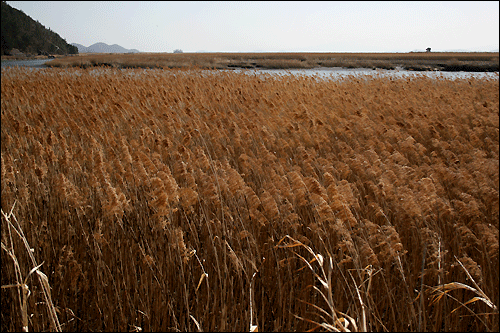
{"points": [[182, 200]]}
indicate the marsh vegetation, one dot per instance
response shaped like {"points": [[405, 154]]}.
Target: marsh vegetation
{"points": [[186, 200], [446, 61]]}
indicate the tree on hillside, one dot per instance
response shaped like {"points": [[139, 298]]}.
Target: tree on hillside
{"points": [[29, 36]]}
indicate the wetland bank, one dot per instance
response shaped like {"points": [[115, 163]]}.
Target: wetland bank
{"points": [[420, 61]]}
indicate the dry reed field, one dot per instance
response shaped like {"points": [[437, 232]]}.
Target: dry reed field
{"points": [[190, 200]]}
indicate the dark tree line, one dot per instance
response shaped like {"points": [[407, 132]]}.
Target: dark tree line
{"points": [[19, 31]]}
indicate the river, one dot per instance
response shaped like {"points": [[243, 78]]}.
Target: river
{"points": [[338, 72], [36, 63]]}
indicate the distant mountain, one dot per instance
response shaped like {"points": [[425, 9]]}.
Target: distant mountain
{"points": [[81, 48], [103, 48], [23, 35]]}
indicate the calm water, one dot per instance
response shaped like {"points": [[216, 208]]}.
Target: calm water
{"points": [[337, 72], [326, 73], [36, 63]]}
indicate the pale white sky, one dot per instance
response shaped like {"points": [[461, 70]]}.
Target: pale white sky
{"points": [[295, 26]]}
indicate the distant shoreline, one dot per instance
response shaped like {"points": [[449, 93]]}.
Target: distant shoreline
{"points": [[28, 57]]}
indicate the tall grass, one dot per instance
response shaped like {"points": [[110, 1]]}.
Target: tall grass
{"points": [[180, 200]]}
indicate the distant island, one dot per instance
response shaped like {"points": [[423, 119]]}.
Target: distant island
{"points": [[103, 48]]}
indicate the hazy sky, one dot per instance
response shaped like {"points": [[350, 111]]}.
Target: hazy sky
{"points": [[307, 26]]}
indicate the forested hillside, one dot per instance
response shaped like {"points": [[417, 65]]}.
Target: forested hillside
{"points": [[21, 32]]}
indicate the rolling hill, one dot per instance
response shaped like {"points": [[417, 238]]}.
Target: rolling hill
{"points": [[30, 37], [103, 48]]}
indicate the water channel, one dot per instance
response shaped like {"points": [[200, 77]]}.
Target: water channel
{"points": [[35, 63]]}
